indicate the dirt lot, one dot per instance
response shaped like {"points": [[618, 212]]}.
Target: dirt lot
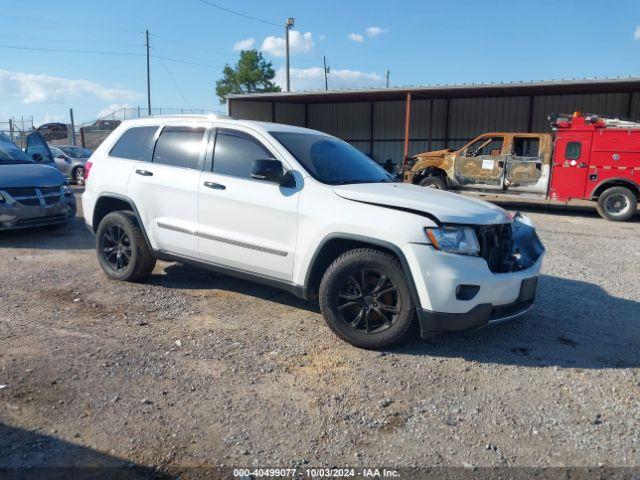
{"points": [[192, 368]]}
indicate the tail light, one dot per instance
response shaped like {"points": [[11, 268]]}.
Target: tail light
{"points": [[87, 170]]}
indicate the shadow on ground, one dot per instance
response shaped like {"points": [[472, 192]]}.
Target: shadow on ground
{"points": [[72, 236], [25, 454], [573, 325], [182, 276]]}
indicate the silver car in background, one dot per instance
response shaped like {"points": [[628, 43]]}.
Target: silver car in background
{"points": [[70, 160]]}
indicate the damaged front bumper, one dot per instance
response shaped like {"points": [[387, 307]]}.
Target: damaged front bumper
{"points": [[497, 296], [15, 215]]}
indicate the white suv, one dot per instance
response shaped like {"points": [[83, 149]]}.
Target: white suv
{"points": [[309, 213]]}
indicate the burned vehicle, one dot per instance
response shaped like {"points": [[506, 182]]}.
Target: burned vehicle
{"points": [[516, 162], [587, 157], [33, 192]]}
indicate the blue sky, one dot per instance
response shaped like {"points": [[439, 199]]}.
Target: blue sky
{"points": [[420, 41]]}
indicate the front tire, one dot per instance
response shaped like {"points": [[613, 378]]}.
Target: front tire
{"points": [[617, 204], [122, 250], [366, 300], [433, 182]]}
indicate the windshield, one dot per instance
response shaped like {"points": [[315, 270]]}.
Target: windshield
{"points": [[12, 155], [330, 160], [76, 152]]}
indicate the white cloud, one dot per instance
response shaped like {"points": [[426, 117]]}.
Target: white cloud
{"points": [[114, 107], [355, 37], [636, 34], [298, 43], [313, 79], [32, 88], [373, 32], [245, 44], [51, 117]]}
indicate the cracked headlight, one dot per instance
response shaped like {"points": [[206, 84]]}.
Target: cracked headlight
{"points": [[454, 239]]}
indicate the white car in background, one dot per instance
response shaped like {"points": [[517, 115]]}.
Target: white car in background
{"points": [[304, 211]]}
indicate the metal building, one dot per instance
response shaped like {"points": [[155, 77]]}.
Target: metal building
{"points": [[392, 123]]}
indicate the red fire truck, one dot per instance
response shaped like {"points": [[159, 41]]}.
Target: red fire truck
{"points": [[587, 157]]}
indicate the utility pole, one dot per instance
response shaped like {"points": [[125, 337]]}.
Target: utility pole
{"points": [[148, 74], [326, 71], [388, 73], [73, 128], [288, 26]]}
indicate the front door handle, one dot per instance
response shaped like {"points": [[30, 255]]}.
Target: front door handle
{"points": [[144, 173], [582, 165], [215, 186]]}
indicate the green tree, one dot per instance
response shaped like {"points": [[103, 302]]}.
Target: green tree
{"points": [[251, 74]]}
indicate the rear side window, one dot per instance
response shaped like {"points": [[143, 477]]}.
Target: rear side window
{"points": [[526, 147], [179, 147], [235, 152], [135, 144], [572, 152]]}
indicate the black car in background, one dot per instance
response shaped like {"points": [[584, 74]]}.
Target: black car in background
{"points": [[53, 131]]}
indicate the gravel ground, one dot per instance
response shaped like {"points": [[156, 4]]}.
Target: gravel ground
{"points": [[192, 368]]}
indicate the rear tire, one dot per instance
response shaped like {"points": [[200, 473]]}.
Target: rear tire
{"points": [[122, 250], [617, 204], [78, 176], [433, 182], [366, 300]]}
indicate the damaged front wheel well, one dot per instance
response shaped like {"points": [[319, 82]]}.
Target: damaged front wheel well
{"points": [[430, 172]]}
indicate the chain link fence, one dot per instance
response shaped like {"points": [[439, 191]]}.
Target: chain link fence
{"points": [[88, 134], [17, 129]]}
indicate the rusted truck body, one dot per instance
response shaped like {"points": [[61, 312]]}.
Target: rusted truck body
{"points": [[509, 162]]}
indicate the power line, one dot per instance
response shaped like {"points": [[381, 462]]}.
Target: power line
{"points": [[96, 42], [61, 50], [240, 14], [177, 60], [185, 44], [175, 84], [71, 24]]}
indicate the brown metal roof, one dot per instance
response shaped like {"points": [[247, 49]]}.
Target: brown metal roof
{"points": [[586, 85]]}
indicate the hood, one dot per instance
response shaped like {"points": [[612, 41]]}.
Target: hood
{"points": [[30, 175], [435, 153], [446, 207]]}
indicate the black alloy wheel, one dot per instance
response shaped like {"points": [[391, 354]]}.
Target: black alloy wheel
{"points": [[368, 301], [116, 247]]}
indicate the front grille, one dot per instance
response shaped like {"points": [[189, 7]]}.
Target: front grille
{"points": [[20, 191], [30, 196], [496, 246], [29, 202]]}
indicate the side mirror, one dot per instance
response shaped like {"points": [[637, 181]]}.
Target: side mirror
{"points": [[269, 170], [37, 157]]}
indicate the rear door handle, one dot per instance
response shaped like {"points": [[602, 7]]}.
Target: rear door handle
{"points": [[582, 165], [215, 186], [144, 173]]}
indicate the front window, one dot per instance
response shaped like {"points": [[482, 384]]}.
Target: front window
{"points": [[12, 155], [572, 151], [330, 160], [76, 152], [485, 146]]}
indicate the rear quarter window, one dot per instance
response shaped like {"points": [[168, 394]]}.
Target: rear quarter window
{"points": [[135, 144]]}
